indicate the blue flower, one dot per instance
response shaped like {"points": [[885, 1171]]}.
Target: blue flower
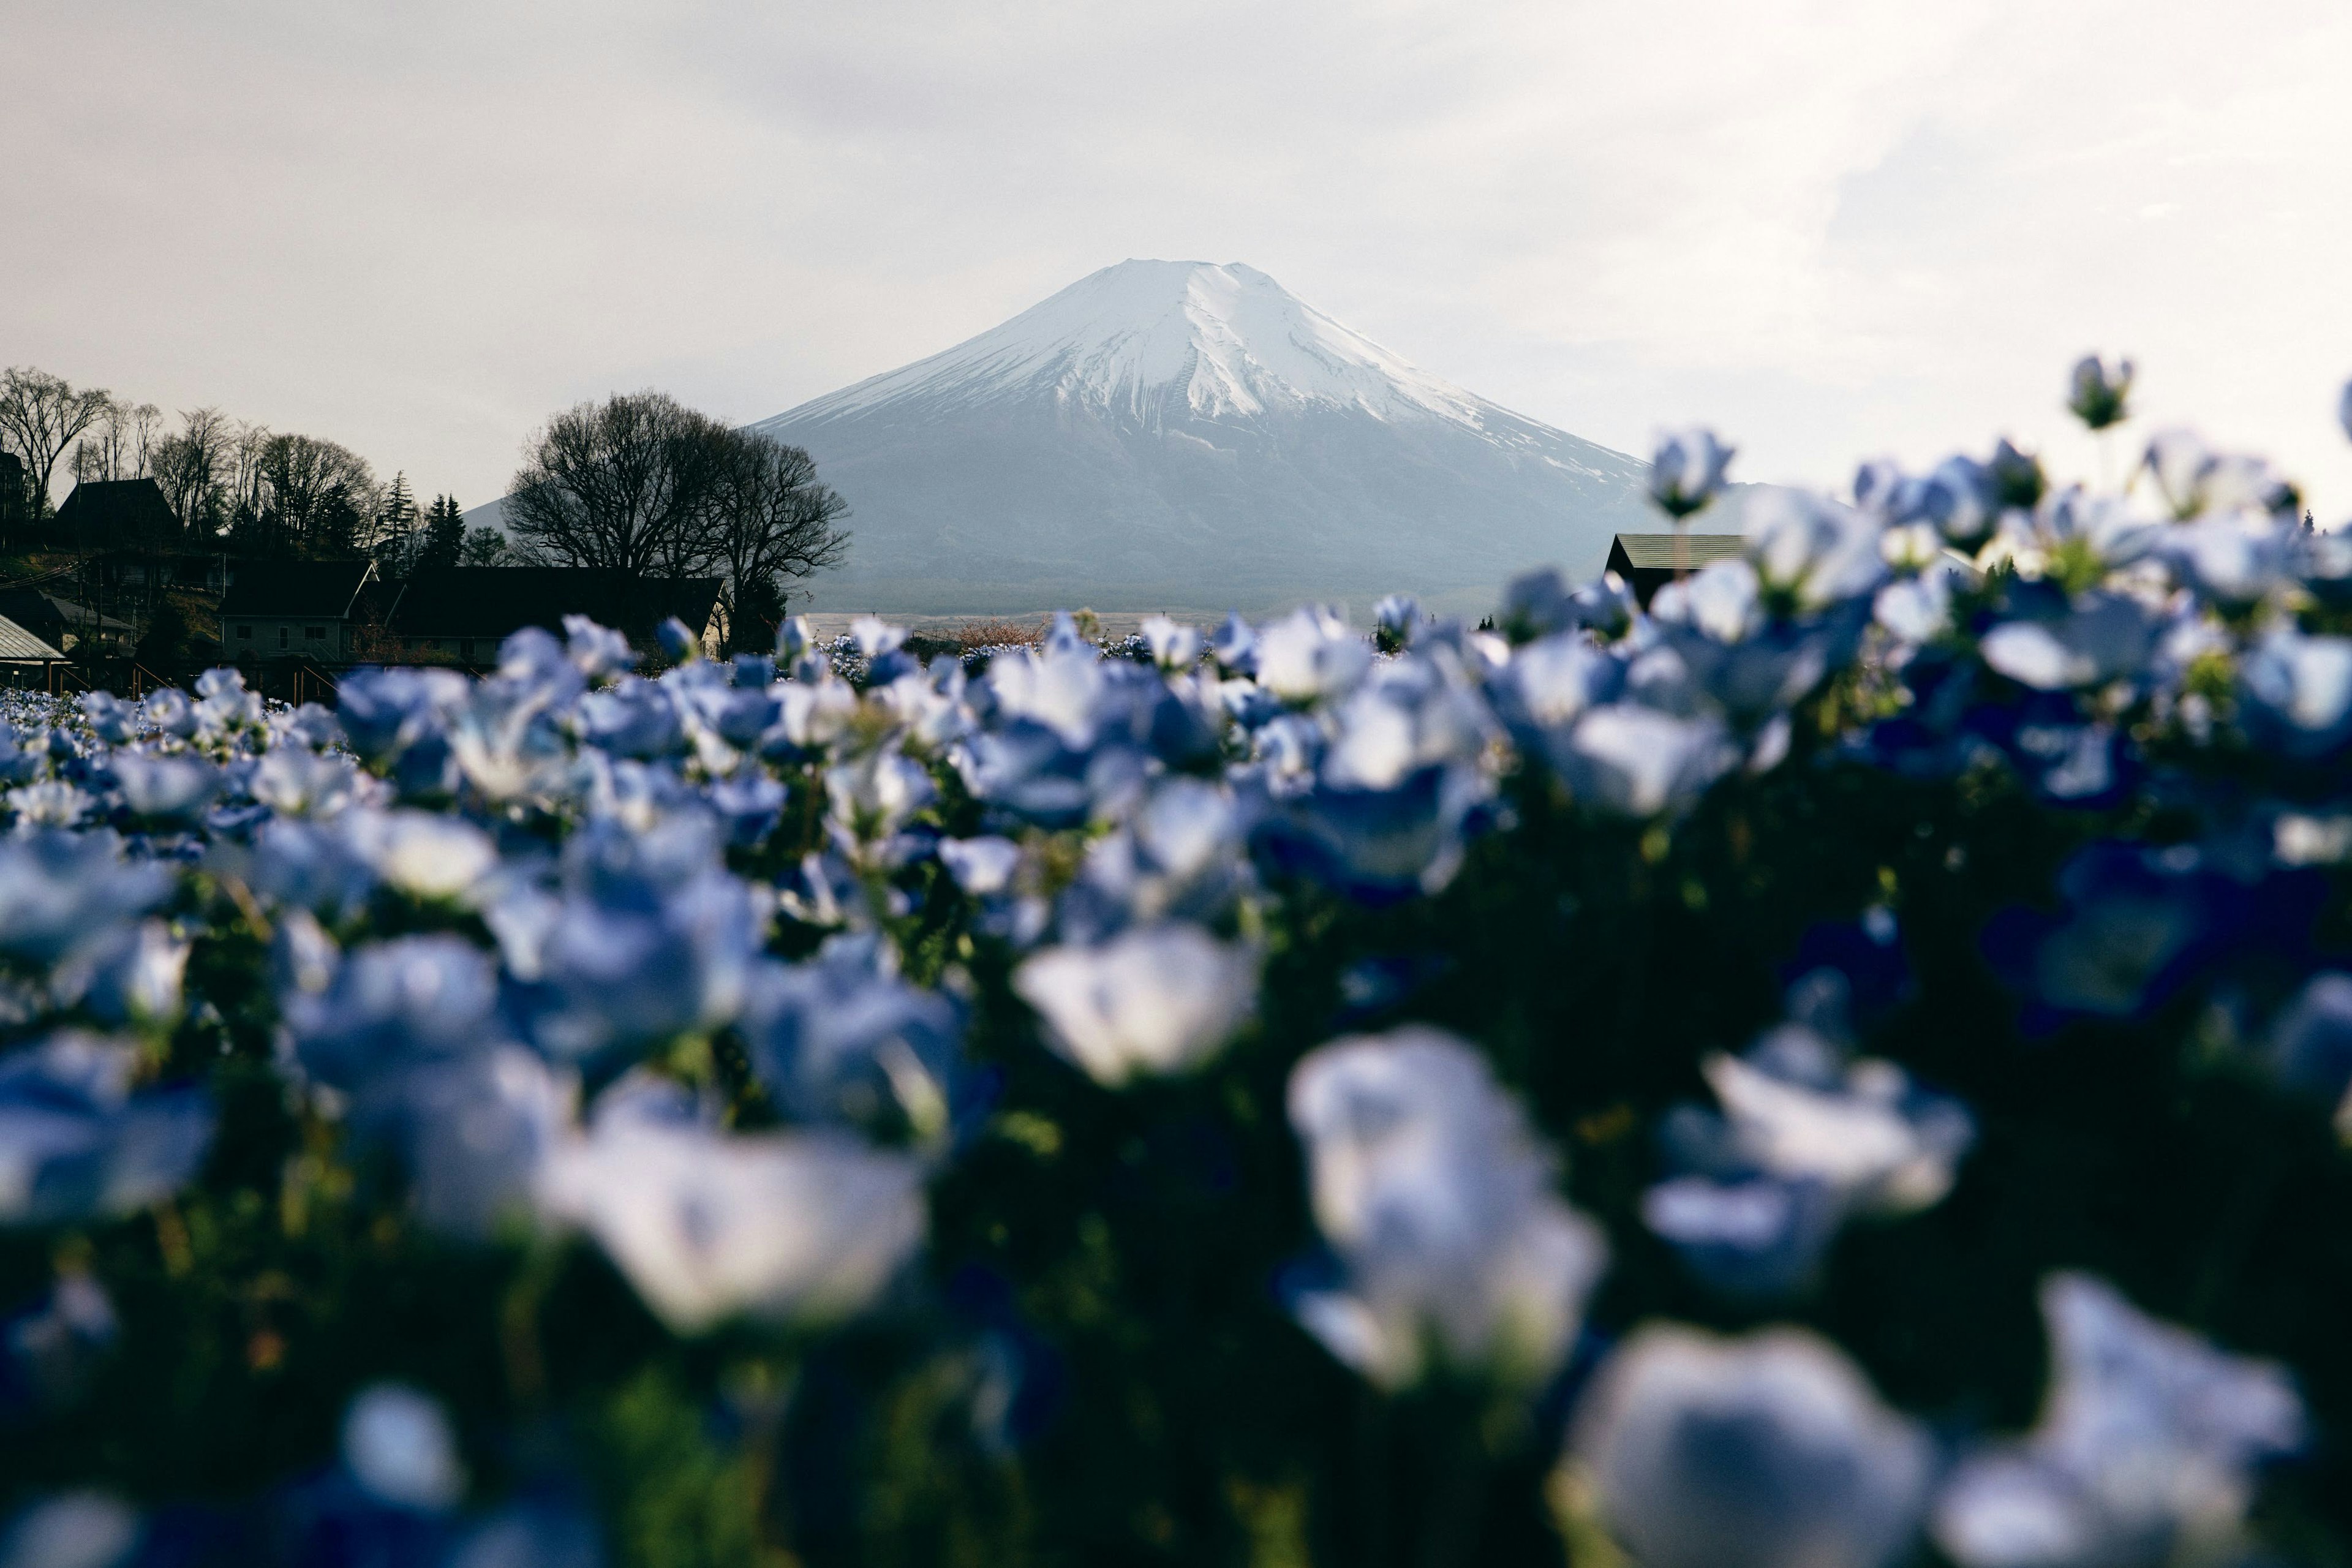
{"points": [[2099, 394], [1152, 1001], [77, 1144], [798, 1226], [58, 889], [1436, 1198], [1805, 1138], [1687, 470], [387, 1005], [841, 1038], [1769, 1451], [2149, 1438]]}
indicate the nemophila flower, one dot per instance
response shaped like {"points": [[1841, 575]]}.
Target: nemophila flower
{"points": [[1805, 1139], [1687, 470], [1550, 683], [471, 1131], [1152, 1001], [982, 866], [397, 721], [2098, 393], [1627, 760], [76, 1144], [388, 1003], [1174, 646], [1810, 554], [1915, 609], [306, 864], [749, 804], [223, 706], [2296, 693], [1767, 1451], [1182, 852], [58, 889], [110, 718], [2309, 1045], [2095, 638], [127, 974], [630, 718], [873, 796], [803, 1227], [648, 940], [2063, 758], [2137, 924], [1439, 1204], [398, 1445], [1310, 654], [423, 854], [169, 712], [841, 1038], [597, 652], [157, 787], [74, 1530], [50, 804], [1380, 844], [2150, 1439], [294, 782]]}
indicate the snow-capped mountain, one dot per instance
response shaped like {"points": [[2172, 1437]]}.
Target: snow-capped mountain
{"points": [[1185, 435]]}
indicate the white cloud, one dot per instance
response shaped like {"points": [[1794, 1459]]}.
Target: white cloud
{"points": [[1835, 229]]}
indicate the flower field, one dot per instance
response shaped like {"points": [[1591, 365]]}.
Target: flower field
{"points": [[1840, 1068]]}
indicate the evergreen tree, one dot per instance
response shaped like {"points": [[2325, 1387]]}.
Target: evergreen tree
{"points": [[395, 526], [445, 535]]}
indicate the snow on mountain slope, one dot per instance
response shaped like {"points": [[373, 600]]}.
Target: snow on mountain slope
{"points": [[1191, 435]]}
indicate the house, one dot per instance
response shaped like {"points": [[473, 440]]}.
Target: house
{"points": [[60, 621], [464, 613], [284, 609], [106, 511], [1647, 562], [25, 660]]}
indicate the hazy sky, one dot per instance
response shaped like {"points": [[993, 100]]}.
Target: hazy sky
{"points": [[1832, 230]]}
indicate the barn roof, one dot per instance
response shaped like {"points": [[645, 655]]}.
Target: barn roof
{"points": [[99, 506], [493, 600], [292, 588], [1656, 552]]}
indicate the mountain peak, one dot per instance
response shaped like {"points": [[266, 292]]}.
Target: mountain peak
{"points": [[1148, 341]]}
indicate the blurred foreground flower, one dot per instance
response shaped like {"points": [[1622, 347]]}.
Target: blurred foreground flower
{"points": [[1438, 1201], [1770, 1451]]}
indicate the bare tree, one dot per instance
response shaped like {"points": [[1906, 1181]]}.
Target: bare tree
{"points": [[121, 445], [193, 468], [310, 496], [773, 523], [630, 483], [41, 416]]}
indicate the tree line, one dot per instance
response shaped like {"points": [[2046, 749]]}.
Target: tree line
{"points": [[639, 483]]}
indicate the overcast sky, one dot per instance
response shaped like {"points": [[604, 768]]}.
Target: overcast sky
{"points": [[1832, 230]]}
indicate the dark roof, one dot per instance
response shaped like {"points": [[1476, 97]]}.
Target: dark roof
{"points": [[1656, 552], [101, 506], [290, 588], [50, 616], [19, 645], [492, 601]]}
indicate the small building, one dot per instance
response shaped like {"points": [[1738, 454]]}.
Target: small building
{"points": [[111, 512], [290, 609], [61, 622], [463, 613], [26, 660], [1648, 560]]}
